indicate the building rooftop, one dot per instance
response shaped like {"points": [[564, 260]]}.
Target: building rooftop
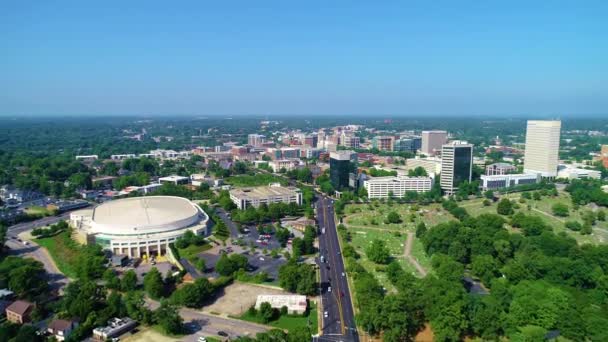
{"points": [[19, 307], [263, 191], [292, 302]]}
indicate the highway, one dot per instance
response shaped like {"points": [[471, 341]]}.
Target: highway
{"points": [[339, 325]]}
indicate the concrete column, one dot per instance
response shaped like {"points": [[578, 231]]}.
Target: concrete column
{"points": [[159, 250], [148, 250]]}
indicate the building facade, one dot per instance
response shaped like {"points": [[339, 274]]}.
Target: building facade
{"points": [[397, 186], [494, 182], [500, 169], [341, 165], [542, 147], [256, 139], [456, 165], [432, 141], [408, 144], [384, 142]]}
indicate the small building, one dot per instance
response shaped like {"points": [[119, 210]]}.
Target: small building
{"points": [[296, 304], [571, 172], [299, 224], [115, 328], [6, 294], [174, 179], [500, 169], [19, 312], [62, 328], [506, 181]]}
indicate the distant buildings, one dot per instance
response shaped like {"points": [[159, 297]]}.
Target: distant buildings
{"points": [[256, 139], [542, 147], [432, 166], [350, 141], [384, 142], [501, 181], [397, 186], [408, 144], [456, 165], [500, 169], [341, 165], [432, 141], [604, 155], [274, 193], [570, 172], [283, 164], [296, 304]]}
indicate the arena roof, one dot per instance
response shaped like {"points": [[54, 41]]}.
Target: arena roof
{"points": [[144, 214]]}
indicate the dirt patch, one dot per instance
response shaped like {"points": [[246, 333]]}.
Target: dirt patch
{"points": [[148, 335], [238, 297], [426, 335]]}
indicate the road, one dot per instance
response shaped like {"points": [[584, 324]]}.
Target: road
{"points": [[200, 323], [335, 294], [19, 228]]}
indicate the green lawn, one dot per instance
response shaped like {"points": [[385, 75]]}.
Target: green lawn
{"points": [[290, 321], [39, 211], [193, 250], [63, 250], [255, 180]]}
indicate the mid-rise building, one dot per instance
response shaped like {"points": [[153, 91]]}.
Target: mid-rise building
{"points": [[408, 144], [397, 186], [432, 166], [311, 140], [174, 179], [500, 169], [283, 164], [274, 193], [341, 165], [350, 140], [456, 165], [542, 147], [501, 181], [432, 141], [256, 139], [604, 155], [384, 142]]}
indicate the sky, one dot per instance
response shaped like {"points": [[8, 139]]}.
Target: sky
{"points": [[303, 57]]}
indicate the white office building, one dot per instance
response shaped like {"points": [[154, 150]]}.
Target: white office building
{"points": [[570, 172], [382, 187], [542, 147], [494, 182], [274, 193]]}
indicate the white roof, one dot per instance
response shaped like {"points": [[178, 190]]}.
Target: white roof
{"points": [[292, 302], [144, 214]]}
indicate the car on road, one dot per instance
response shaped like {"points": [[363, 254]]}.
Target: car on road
{"points": [[222, 333], [325, 314], [26, 243], [343, 274], [329, 289], [202, 339]]}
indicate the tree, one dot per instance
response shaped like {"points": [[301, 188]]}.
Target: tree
{"points": [[489, 194], [266, 312], [169, 318], [129, 281], [153, 283], [420, 230], [560, 209], [393, 217], [484, 267], [601, 215], [193, 295], [378, 252], [298, 278], [111, 279], [505, 207]]}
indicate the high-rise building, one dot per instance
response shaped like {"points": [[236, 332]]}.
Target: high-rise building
{"points": [[456, 165], [542, 147], [256, 139], [432, 141], [341, 165], [407, 144], [384, 142], [311, 140]]}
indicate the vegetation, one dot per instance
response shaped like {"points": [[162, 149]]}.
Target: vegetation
{"points": [[280, 319], [298, 278], [260, 179]]}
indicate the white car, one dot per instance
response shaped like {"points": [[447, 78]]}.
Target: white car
{"points": [[202, 339], [329, 289], [325, 314], [343, 274]]}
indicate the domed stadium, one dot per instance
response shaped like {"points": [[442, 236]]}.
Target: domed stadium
{"points": [[141, 225]]}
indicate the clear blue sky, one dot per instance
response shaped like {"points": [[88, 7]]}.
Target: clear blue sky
{"points": [[303, 57]]}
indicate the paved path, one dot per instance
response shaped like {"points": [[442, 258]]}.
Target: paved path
{"points": [[408, 254], [203, 323]]}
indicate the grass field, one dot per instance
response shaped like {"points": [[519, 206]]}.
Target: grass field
{"points": [[63, 250], [256, 180], [290, 321], [190, 253], [365, 222]]}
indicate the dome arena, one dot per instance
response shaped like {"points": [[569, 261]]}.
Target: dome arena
{"points": [[139, 226]]}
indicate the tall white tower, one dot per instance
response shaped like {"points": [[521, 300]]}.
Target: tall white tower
{"points": [[542, 147]]}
